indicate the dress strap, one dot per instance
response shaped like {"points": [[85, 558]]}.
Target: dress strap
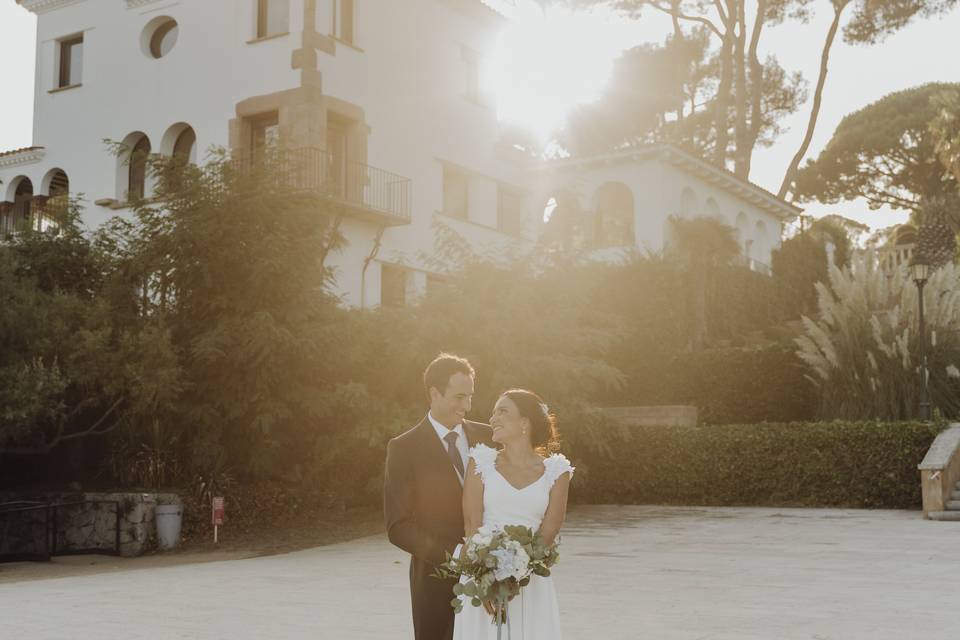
{"points": [[555, 466], [485, 460]]}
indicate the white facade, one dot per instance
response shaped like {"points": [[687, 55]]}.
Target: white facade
{"points": [[660, 182], [388, 86]]}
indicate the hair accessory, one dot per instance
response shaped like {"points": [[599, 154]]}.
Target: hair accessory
{"points": [[545, 409]]}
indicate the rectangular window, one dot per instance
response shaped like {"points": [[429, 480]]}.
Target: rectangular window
{"points": [[273, 17], [393, 286], [264, 132], [436, 284], [456, 192], [71, 62], [343, 20], [509, 211]]}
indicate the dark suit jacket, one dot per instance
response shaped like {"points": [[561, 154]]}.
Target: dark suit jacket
{"points": [[423, 511]]}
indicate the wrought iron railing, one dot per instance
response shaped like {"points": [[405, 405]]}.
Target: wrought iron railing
{"points": [[352, 183], [25, 214], [754, 265]]}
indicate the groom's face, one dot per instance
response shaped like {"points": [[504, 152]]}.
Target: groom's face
{"points": [[450, 407]]}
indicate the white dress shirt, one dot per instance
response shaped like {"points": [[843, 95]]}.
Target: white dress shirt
{"points": [[463, 447]]}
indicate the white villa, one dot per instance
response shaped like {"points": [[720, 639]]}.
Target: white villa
{"points": [[384, 95]]}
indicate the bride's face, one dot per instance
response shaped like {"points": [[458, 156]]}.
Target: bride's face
{"points": [[508, 425]]}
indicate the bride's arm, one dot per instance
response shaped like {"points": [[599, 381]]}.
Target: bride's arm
{"points": [[472, 500], [556, 509]]}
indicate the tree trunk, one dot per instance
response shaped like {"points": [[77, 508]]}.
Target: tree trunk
{"points": [[742, 150], [756, 86], [838, 7], [722, 107], [678, 38]]}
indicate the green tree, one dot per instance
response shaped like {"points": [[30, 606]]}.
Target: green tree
{"points": [[71, 367], [230, 257], [668, 93], [736, 112], [802, 261], [884, 153]]}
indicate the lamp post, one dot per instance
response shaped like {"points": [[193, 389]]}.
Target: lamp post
{"points": [[920, 271]]}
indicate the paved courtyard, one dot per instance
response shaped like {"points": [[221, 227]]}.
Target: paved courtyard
{"points": [[647, 573]]}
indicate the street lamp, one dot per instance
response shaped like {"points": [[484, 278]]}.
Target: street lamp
{"points": [[920, 271]]}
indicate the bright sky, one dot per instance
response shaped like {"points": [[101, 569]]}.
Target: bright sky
{"points": [[547, 62]]}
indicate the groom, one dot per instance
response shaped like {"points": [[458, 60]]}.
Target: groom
{"points": [[423, 490]]}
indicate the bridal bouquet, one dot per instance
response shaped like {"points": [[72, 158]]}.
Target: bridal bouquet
{"points": [[497, 563]]}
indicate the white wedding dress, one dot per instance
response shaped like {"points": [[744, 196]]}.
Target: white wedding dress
{"points": [[534, 614]]}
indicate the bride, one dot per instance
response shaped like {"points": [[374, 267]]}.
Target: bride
{"points": [[517, 485]]}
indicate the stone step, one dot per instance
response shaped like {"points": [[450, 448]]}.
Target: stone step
{"points": [[953, 505], [953, 516]]}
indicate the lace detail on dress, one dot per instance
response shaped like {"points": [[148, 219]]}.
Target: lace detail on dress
{"points": [[557, 465], [485, 460]]}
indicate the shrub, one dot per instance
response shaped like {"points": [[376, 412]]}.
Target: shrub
{"points": [[863, 351], [820, 464], [744, 385]]}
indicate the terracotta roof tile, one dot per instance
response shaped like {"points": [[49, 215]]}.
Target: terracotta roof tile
{"points": [[14, 152]]}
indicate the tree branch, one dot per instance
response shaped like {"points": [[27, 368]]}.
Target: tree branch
{"points": [[681, 16], [791, 173], [59, 438]]}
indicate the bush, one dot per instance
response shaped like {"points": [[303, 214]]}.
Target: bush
{"points": [[820, 464], [745, 385], [863, 350]]}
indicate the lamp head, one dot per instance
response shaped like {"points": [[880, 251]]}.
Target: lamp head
{"points": [[919, 271]]}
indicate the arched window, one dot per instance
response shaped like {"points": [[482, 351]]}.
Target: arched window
{"points": [[761, 243], [688, 203], [183, 147], [743, 231], [59, 184], [22, 204], [613, 226], [56, 185], [137, 170], [562, 228], [712, 209]]}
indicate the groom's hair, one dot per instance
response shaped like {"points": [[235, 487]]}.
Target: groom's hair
{"points": [[438, 372]]}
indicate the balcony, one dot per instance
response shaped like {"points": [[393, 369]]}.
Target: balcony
{"points": [[754, 265], [25, 214], [357, 189]]}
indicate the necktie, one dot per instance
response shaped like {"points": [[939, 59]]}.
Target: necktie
{"points": [[455, 458]]}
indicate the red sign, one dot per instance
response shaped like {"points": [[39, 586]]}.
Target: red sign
{"points": [[218, 512]]}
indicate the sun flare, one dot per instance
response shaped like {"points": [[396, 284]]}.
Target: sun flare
{"points": [[548, 61]]}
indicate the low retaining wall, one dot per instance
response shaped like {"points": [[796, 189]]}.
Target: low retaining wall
{"points": [[653, 416], [83, 522]]}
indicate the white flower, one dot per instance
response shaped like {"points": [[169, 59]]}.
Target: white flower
{"points": [[953, 371], [483, 537], [512, 561]]}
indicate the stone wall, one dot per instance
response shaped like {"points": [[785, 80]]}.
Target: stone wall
{"points": [[84, 527], [653, 416]]}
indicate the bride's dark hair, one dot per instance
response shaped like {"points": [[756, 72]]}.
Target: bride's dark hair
{"points": [[544, 427]]}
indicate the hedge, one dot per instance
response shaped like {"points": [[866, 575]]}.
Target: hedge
{"points": [[819, 464], [746, 385]]}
